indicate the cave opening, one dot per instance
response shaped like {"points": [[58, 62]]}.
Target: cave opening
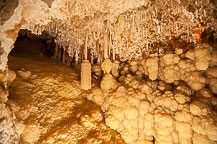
{"points": [[33, 46]]}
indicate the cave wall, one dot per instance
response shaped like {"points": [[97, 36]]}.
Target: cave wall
{"points": [[7, 9], [26, 13]]}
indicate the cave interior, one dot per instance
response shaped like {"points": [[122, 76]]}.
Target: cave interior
{"points": [[108, 72]]}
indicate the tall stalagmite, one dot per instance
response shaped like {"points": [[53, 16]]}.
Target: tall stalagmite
{"points": [[85, 70]]}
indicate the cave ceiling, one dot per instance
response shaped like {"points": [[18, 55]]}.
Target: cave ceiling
{"points": [[129, 27]]}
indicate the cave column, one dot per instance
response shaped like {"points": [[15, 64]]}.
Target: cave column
{"points": [[85, 69]]}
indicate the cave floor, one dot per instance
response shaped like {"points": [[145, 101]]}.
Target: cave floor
{"points": [[50, 106]]}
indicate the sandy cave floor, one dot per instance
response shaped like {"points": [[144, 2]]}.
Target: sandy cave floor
{"points": [[50, 107]]}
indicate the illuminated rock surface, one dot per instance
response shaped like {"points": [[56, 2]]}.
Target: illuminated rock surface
{"points": [[50, 106], [52, 109], [151, 78]]}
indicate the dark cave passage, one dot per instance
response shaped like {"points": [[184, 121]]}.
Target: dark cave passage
{"points": [[33, 46]]}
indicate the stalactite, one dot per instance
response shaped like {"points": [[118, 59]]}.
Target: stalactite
{"points": [[141, 22], [128, 48], [98, 51], [91, 58], [77, 54], [105, 45], [113, 53], [101, 54], [110, 44], [85, 47]]}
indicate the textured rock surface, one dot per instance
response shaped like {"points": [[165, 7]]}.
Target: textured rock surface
{"points": [[8, 127], [7, 9], [49, 2], [85, 75], [202, 56], [131, 27], [51, 108], [165, 95]]}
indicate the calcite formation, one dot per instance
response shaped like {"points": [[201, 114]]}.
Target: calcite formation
{"points": [[122, 30], [178, 107], [155, 63], [8, 127], [85, 75]]}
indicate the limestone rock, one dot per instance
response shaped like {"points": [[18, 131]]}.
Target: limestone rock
{"points": [[85, 75], [133, 66], [202, 56], [30, 134], [115, 69], [4, 77], [169, 59], [108, 83], [195, 80], [8, 133], [106, 66], [97, 70], [190, 54], [213, 61], [152, 65], [213, 85], [7, 10], [24, 75], [211, 72], [11, 76]]}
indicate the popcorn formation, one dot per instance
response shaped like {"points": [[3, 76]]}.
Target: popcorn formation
{"points": [[154, 60]]}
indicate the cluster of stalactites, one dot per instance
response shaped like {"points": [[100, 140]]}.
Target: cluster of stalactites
{"points": [[69, 54], [133, 33]]}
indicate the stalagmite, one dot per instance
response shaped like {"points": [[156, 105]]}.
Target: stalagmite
{"points": [[106, 66], [108, 81], [85, 70], [91, 59], [85, 75]]}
